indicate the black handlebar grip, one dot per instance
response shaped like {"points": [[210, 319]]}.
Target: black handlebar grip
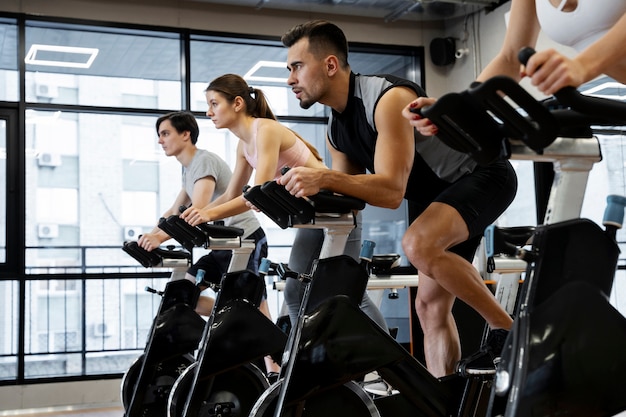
{"points": [[567, 95], [524, 54], [416, 110]]}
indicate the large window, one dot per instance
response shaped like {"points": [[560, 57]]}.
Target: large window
{"points": [[91, 66], [3, 191], [9, 85], [91, 175]]}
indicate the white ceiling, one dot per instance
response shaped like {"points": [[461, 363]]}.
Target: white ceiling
{"points": [[388, 10]]}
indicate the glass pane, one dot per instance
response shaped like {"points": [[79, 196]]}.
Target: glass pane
{"points": [[90, 188], [92, 180], [3, 191], [118, 319], [9, 80], [9, 329], [102, 67], [522, 211], [53, 316], [404, 66], [262, 65]]}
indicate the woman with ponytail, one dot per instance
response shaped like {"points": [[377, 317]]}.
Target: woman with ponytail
{"points": [[266, 146]]}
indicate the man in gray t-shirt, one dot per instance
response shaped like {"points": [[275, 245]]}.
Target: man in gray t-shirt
{"points": [[205, 177]]}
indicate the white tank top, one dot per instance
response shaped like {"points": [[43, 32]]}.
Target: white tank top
{"points": [[581, 27]]}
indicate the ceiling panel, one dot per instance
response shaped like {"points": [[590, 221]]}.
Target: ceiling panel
{"points": [[388, 10]]}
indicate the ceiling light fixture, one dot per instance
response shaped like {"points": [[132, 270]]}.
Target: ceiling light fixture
{"points": [[249, 76], [61, 56]]}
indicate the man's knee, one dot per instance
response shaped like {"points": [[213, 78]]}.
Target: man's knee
{"points": [[420, 251], [412, 245]]}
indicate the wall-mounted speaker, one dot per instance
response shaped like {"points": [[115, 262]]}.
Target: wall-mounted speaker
{"points": [[442, 51]]}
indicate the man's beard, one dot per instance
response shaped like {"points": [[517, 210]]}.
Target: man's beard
{"points": [[306, 101], [306, 104]]}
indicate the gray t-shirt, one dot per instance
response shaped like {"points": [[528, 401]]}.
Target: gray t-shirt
{"points": [[207, 164]]}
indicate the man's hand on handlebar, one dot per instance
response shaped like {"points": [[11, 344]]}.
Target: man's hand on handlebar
{"points": [[301, 181], [411, 112], [550, 71]]}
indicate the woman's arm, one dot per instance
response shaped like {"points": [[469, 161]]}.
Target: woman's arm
{"points": [[522, 30]]}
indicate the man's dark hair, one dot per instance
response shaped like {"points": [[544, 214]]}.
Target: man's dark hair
{"points": [[324, 38], [181, 121]]}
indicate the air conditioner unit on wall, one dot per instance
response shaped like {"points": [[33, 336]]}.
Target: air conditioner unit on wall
{"points": [[101, 330], [132, 233], [44, 90], [48, 159], [47, 230]]}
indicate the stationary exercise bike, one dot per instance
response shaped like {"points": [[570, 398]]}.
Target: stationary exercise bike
{"points": [[174, 335], [177, 328], [225, 380], [564, 355], [336, 344]]}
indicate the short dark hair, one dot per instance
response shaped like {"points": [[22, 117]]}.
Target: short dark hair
{"points": [[181, 121], [324, 37]]}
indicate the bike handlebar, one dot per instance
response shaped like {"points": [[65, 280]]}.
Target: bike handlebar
{"points": [[480, 120], [601, 109]]}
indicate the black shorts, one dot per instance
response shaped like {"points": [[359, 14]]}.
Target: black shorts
{"points": [[215, 263], [480, 198]]}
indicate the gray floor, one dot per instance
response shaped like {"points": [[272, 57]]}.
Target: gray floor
{"points": [[89, 412]]}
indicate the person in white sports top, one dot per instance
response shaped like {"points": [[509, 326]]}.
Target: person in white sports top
{"points": [[596, 29]]}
